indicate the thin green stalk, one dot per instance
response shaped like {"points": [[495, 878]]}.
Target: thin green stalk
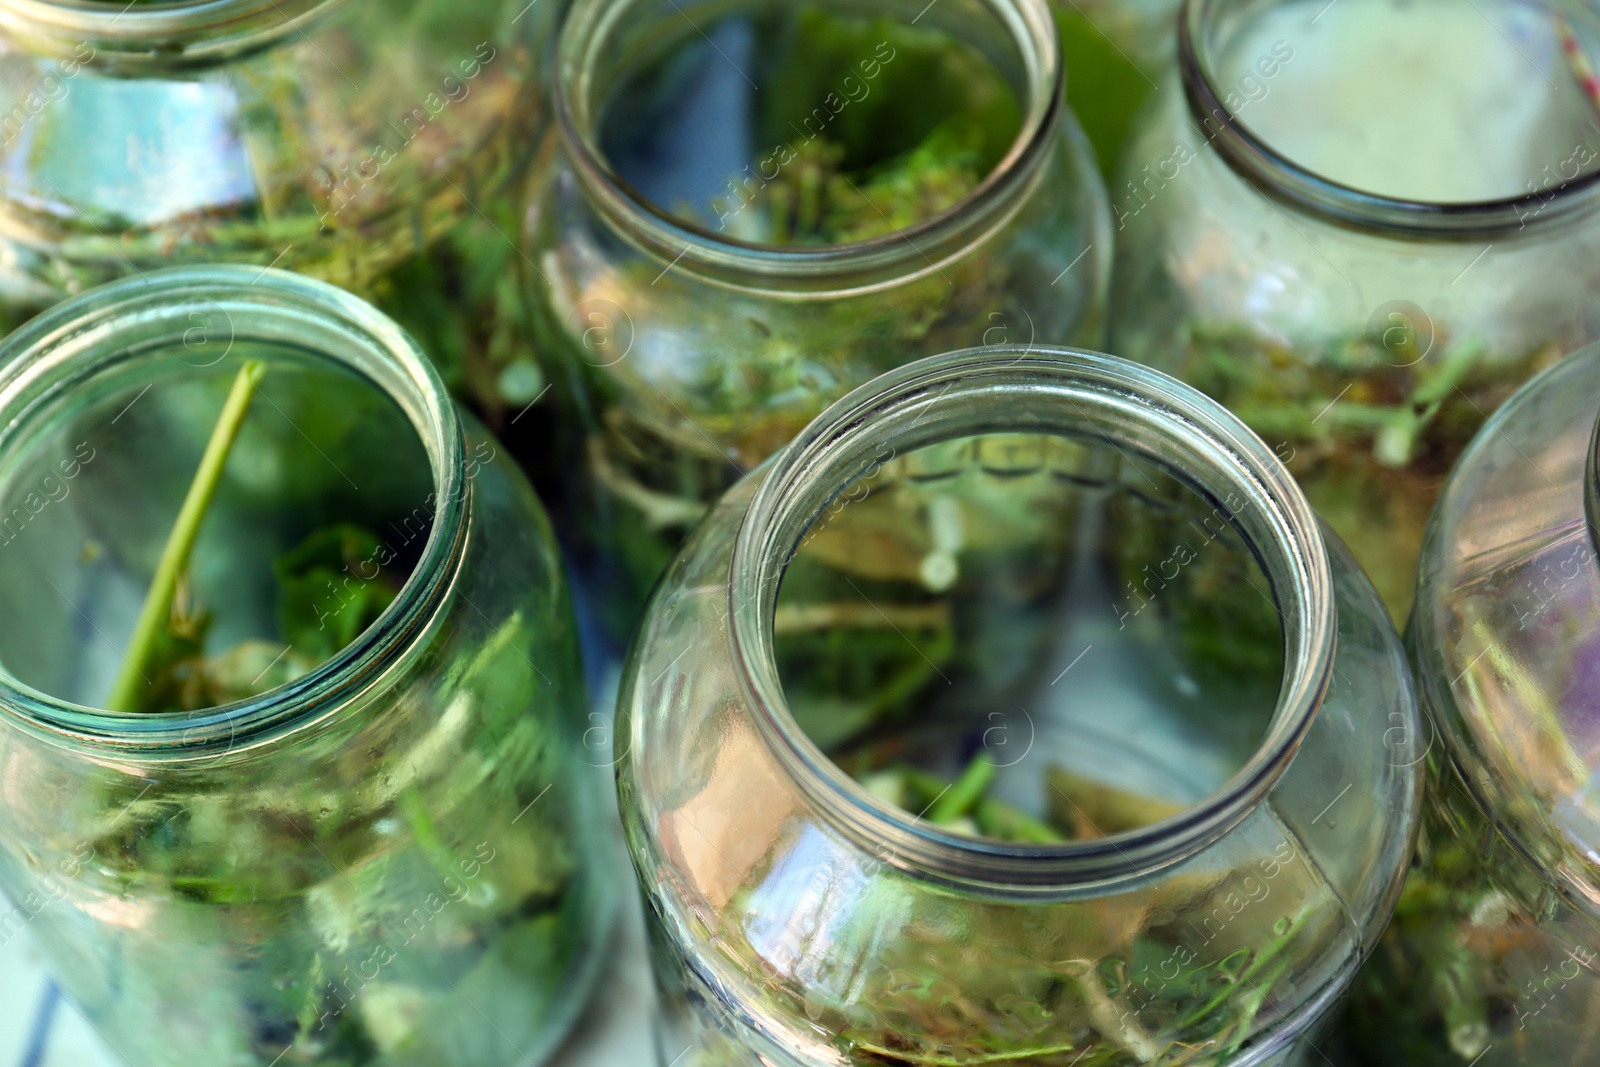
{"points": [[131, 680], [994, 818], [1007, 823], [970, 788]]}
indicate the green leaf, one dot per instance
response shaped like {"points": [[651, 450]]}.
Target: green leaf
{"points": [[330, 589]]}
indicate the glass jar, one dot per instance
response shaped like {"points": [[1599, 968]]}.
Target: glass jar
{"points": [[1361, 226], [958, 734], [1491, 958], [683, 348], [376, 146], [385, 858]]}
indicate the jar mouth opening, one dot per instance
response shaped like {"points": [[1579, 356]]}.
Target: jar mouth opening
{"points": [[1259, 163], [1072, 393], [580, 99], [70, 346]]}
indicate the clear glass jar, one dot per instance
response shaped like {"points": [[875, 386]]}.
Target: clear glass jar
{"points": [[1491, 958], [376, 146], [387, 858], [1176, 824], [1361, 226], [684, 353]]}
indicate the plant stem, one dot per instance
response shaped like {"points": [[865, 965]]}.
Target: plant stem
{"points": [[131, 681], [994, 818], [970, 788], [1007, 823]]}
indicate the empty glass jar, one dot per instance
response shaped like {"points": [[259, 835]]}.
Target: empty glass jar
{"points": [[1361, 226], [376, 146], [1018, 711], [753, 208], [1492, 957], [339, 814]]}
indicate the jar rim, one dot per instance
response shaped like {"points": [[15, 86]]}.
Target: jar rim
{"points": [[923, 246], [73, 343], [1274, 174], [158, 33], [1098, 395]]}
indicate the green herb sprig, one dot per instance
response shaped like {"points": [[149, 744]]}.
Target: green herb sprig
{"points": [[132, 682]]}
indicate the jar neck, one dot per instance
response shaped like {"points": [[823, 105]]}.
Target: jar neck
{"points": [[1206, 27], [77, 345], [1045, 391], [174, 33], [592, 59]]}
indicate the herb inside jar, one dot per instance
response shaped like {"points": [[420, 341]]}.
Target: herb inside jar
{"points": [[339, 915], [854, 126], [1036, 641], [379, 151], [166, 667], [1478, 954], [1369, 427], [1484, 951]]}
